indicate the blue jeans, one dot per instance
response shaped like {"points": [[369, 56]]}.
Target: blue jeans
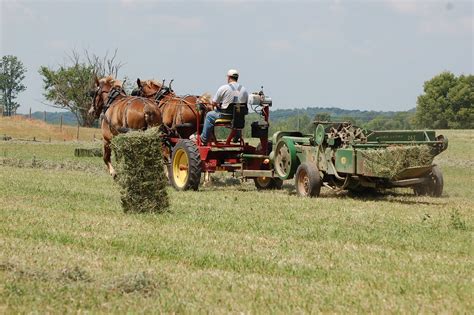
{"points": [[209, 122]]}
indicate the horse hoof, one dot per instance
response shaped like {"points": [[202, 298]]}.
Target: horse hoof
{"points": [[114, 175]]}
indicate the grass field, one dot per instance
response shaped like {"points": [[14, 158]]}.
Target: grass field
{"points": [[20, 127], [66, 245]]}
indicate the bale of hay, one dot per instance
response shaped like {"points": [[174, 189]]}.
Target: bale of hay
{"points": [[88, 152], [390, 161], [140, 173]]}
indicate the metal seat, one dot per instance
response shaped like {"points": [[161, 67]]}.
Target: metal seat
{"points": [[234, 116], [225, 120]]}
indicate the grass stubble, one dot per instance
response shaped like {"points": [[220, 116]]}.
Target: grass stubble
{"points": [[67, 246]]}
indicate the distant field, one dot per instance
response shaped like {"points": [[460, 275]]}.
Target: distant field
{"points": [[20, 127], [66, 245]]}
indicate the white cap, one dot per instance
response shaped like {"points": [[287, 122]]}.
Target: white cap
{"points": [[232, 73]]}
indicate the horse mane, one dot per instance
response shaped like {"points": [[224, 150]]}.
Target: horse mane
{"points": [[107, 80], [153, 82], [110, 80], [205, 98]]}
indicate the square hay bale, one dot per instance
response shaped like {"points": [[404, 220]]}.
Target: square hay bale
{"points": [[390, 161], [140, 173]]}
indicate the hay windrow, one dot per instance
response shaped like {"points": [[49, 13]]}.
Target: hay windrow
{"points": [[140, 172], [390, 161]]}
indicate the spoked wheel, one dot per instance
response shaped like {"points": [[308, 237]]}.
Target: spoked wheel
{"points": [[308, 180], [264, 183], [185, 170], [433, 185], [285, 159]]}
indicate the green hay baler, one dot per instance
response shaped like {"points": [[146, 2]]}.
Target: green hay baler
{"points": [[342, 156]]}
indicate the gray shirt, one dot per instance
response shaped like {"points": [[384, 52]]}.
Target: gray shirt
{"points": [[231, 93]]}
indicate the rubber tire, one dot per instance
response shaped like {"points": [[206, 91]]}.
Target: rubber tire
{"points": [[434, 187], [273, 183], [313, 177], [194, 165]]}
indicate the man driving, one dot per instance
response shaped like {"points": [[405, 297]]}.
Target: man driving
{"points": [[227, 94]]}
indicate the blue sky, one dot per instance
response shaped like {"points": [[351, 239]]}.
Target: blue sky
{"points": [[371, 55]]}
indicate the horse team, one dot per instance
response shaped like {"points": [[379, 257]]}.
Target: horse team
{"points": [[151, 104]]}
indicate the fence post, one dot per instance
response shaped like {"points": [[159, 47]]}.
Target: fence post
{"points": [[30, 113], [44, 116], [77, 135], [61, 124]]}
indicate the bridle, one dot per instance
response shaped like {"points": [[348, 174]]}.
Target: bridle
{"points": [[98, 95]]}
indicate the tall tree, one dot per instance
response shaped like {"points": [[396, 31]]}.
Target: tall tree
{"points": [[67, 87], [447, 102], [12, 73]]}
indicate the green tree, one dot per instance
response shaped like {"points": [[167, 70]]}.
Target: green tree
{"points": [[323, 116], [12, 73], [447, 102], [460, 114], [67, 87]]}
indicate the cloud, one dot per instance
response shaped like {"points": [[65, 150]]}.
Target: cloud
{"points": [[17, 11], [176, 23], [59, 44], [280, 45], [439, 25], [404, 6], [365, 49], [436, 16]]}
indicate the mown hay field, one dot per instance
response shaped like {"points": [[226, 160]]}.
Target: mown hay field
{"points": [[19, 127], [67, 246]]}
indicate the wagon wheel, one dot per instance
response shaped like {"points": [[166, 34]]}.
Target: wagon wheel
{"points": [[433, 185], [308, 180], [185, 170], [285, 159], [264, 183]]}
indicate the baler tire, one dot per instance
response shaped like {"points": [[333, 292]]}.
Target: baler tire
{"points": [[434, 187], [272, 183], [437, 182], [185, 151], [308, 180]]}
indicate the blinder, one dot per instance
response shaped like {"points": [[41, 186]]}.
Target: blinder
{"points": [[92, 93], [135, 92]]}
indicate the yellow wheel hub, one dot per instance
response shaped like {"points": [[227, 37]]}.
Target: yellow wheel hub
{"points": [[263, 181], [180, 168]]}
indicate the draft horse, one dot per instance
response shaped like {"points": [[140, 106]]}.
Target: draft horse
{"points": [[180, 114], [120, 113]]}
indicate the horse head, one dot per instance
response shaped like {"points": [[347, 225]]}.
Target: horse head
{"points": [[148, 88], [206, 102], [103, 88]]}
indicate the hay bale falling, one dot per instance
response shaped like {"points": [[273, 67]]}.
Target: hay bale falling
{"points": [[140, 172], [390, 161]]}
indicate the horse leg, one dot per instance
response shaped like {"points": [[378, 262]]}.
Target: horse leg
{"points": [[107, 158]]}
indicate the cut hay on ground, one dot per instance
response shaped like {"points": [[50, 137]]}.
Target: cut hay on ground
{"points": [[388, 162], [140, 171]]}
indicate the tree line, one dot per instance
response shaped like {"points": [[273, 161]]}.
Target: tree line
{"points": [[447, 100]]}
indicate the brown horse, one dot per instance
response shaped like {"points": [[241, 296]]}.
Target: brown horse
{"points": [[120, 113], [180, 113]]}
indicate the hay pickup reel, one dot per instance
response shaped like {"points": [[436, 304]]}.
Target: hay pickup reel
{"points": [[189, 159], [343, 156]]}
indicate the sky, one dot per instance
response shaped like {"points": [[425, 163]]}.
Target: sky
{"points": [[367, 55]]}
